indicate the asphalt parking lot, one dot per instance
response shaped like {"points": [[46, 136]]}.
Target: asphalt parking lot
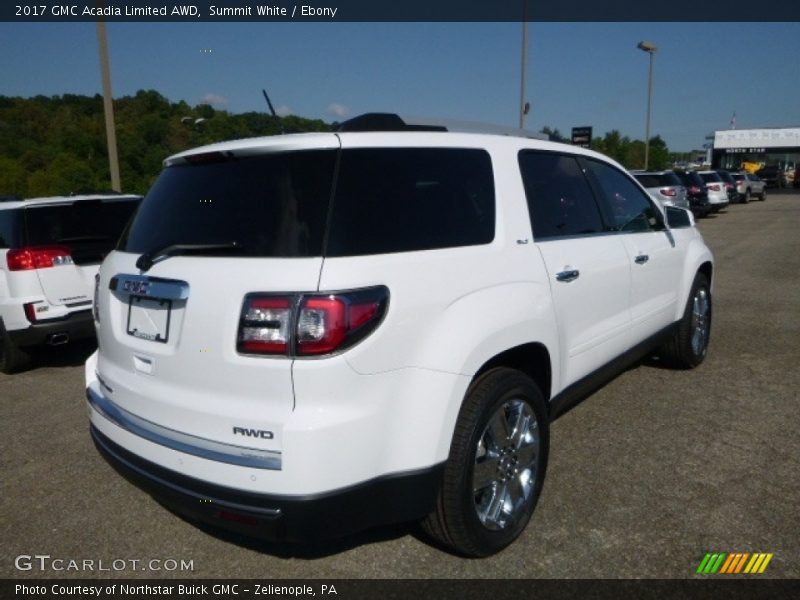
{"points": [[645, 477]]}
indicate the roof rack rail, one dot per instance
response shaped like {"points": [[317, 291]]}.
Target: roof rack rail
{"points": [[394, 122]]}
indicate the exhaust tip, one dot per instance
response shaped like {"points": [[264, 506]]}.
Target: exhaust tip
{"points": [[57, 339]]}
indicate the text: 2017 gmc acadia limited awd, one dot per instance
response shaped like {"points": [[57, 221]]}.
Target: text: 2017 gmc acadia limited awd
{"points": [[304, 335]]}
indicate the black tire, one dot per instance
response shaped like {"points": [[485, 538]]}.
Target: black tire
{"points": [[763, 195], [688, 346], [493, 401], [13, 359], [746, 198]]}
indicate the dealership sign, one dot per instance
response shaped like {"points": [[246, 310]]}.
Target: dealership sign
{"points": [[582, 136], [762, 139]]}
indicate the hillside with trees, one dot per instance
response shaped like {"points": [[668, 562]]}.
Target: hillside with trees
{"points": [[57, 145]]}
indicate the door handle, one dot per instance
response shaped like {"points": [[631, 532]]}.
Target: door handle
{"points": [[641, 259], [568, 276]]}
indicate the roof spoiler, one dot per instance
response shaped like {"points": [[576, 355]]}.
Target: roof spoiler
{"points": [[393, 122]]}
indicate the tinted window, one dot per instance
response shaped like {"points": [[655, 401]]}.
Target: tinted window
{"points": [[725, 176], [627, 208], [651, 180], [560, 201], [9, 228], [710, 177], [272, 205], [90, 228], [405, 199]]}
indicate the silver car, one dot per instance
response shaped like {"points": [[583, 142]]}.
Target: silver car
{"points": [[749, 186], [664, 186]]}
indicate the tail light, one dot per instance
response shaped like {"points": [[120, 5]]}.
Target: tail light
{"points": [[729, 186], [714, 187], [264, 325], [38, 257], [693, 189], [667, 192], [309, 324]]}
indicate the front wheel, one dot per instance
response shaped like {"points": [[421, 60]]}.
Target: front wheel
{"points": [[496, 468], [746, 199], [688, 345], [763, 195]]}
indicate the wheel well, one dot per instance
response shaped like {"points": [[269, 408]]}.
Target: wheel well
{"points": [[707, 269], [532, 359]]}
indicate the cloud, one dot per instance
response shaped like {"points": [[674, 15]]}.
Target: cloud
{"points": [[283, 111], [338, 110], [214, 100]]}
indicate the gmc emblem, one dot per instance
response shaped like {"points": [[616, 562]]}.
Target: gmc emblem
{"points": [[259, 433]]}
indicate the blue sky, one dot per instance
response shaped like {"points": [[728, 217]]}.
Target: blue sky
{"points": [[578, 73]]}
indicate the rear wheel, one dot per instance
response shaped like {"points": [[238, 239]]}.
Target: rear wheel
{"points": [[747, 196], [496, 468], [763, 195], [689, 343], [12, 358]]}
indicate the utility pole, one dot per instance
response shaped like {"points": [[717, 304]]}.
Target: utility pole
{"points": [[523, 106], [108, 106]]}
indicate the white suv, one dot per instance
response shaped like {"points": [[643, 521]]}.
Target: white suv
{"points": [[304, 335], [50, 250]]}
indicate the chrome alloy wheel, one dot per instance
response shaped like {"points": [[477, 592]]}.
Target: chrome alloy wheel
{"points": [[506, 458], [701, 309]]}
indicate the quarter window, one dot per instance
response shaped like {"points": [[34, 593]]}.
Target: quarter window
{"points": [[560, 201], [406, 199]]}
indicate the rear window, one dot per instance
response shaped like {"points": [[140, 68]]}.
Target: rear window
{"points": [[651, 180], [277, 205], [709, 177], [90, 228], [271, 205]]}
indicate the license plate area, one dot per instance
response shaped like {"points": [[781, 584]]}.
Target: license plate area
{"points": [[149, 318]]}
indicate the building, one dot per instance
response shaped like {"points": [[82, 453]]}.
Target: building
{"points": [[769, 146]]}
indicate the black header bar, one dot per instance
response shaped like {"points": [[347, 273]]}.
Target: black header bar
{"points": [[400, 11]]}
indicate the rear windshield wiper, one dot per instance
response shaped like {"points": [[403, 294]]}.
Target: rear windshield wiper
{"points": [[148, 259]]}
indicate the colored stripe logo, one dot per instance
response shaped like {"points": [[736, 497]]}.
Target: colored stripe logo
{"points": [[734, 563]]}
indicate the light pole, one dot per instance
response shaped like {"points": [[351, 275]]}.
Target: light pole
{"points": [[650, 48], [524, 107]]}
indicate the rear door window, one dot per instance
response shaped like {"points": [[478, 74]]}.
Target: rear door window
{"points": [[560, 201], [407, 199]]}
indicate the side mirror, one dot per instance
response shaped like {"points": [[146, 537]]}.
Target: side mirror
{"points": [[678, 218]]}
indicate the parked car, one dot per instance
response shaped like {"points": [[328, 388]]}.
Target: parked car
{"points": [[50, 249], [717, 193], [748, 185], [664, 186], [301, 336], [772, 175], [730, 185], [696, 191]]}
